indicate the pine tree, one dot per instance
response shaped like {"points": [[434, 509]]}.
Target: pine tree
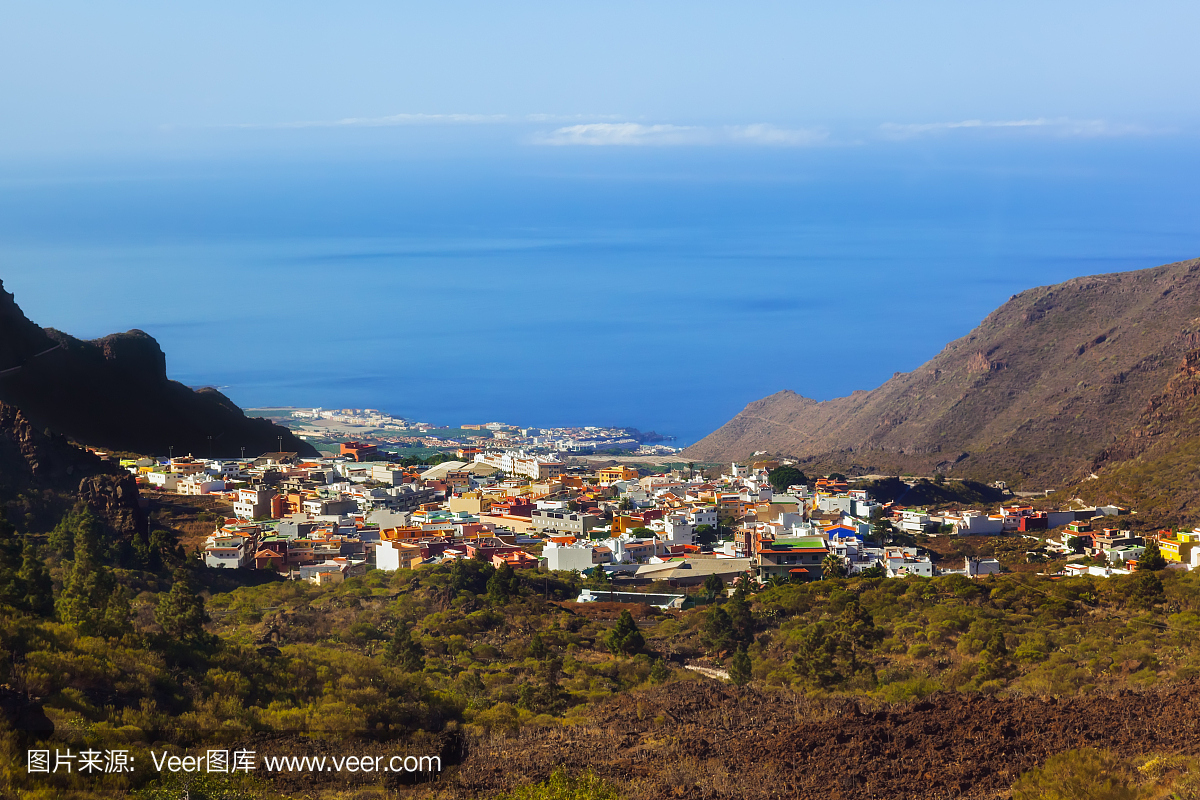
{"points": [[718, 635], [66, 532], [659, 672], [713, 586], [1152, 558], [500, 585], [625, 638], [39, 589], [405, 651], [739, 667], [537, 647], [118, 613], [12, 591], [87, 588], [741, 619], [180, 612]]}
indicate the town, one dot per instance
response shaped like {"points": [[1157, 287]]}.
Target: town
{"points": [[324, 520], [383, 429]]}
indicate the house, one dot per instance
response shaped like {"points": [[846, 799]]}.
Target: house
{"points": [[694, 571], [226, 555], [974, 523], [567, 557], [900, 561], [359, 451], [517, 559], [574, 522], [267, 558], [617, 473], [791, 559], [253, 503]]}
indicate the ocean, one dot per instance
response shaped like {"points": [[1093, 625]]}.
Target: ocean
{"points": [[660, 288]]}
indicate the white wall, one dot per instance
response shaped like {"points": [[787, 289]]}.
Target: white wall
{"points": [[567, 559], [387, 557]]}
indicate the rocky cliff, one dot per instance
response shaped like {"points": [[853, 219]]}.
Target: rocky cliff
{"points": [[1035, 395], [114, 393]]}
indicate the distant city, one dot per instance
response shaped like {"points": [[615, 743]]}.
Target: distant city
{"points": [[321, 425]]}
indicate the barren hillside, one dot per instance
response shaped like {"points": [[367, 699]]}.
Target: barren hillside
{"points": [[1034, 395]]}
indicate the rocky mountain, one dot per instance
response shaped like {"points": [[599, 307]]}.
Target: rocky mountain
{"points": [[1036, 395], [114, 393], [1154, 467]]}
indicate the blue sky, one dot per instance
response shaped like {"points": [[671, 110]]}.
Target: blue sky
{"points": [[192, 80]]}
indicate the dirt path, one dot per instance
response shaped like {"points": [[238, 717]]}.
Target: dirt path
{"points": [[709, 672]]}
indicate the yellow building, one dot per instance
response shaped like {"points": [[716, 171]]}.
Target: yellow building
{"points": [[1180, 547], [617, 473]]}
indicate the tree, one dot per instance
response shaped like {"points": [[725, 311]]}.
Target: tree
{"points": [[832, 566], [706, 535], [599, 578], [1152, 559], [625, 638], [39, 589], [12, 589], [829, 653], [537, 647], [549, 694], [405, 651], [739, 667], [62, 538], [659, 672], [180, 612], [1147, 590], [713, 586], [783, 477], [718, 635], [740, 618], [86, 589], [503, 584]]}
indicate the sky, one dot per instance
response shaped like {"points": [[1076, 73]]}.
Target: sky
{"points": [[189, 80], [646, 214]]}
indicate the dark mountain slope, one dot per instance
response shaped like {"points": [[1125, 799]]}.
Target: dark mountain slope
{"points": [[1155, 466], [114, 393], [1046, 383]]}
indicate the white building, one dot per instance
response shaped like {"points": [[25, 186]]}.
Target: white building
{"points": [[901, 561], [165, 481], [973, 523], [199, 484], [518, 462], [568, 558], [253, 503]]}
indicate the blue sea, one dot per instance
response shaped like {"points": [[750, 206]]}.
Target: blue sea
{"points": [[661, 288]]}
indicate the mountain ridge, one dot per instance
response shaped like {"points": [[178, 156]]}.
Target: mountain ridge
{"points": [[114, 393], [1032, 395]]}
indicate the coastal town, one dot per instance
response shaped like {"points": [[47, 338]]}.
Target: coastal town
{"points": [[670, 532]]}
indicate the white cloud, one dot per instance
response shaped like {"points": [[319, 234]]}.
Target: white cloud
{"points": [[636, 134], [623, 134], [1061, 126], [762, 133]]}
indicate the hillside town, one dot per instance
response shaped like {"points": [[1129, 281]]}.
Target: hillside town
{"points": [[327, 519]]}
